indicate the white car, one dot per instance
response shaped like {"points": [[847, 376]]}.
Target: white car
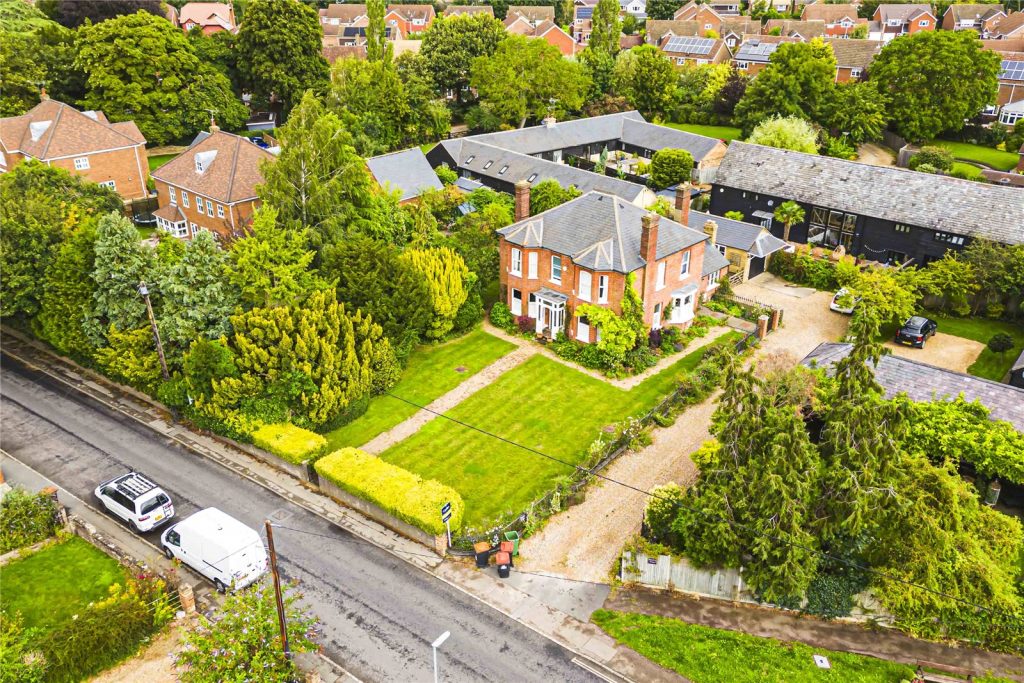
{"points": [[136, 500], [844, 302], [219, 547]]}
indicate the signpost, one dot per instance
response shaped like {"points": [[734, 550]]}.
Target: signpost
{"points": [[446, 514]]}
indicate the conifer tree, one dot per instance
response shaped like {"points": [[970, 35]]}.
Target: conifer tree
{"points": [[67, 299], [378, 47], [270, 265], [446, 275], [121, 265]]}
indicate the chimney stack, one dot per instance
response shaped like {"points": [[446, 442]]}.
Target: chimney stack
{"points": [[522, 202], [683, 202], [649, 238], [549, 121], [213, 125], [711, 230], [42, 94]]}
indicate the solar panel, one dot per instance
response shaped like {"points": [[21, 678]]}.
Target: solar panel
{"points": [[756, 49], [690, 45], [584, 12], [1012, 70]]}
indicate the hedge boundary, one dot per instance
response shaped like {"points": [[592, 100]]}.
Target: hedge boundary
{"points": [[290, 443]]}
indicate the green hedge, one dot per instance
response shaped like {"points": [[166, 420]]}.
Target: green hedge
{"points": [[291, 443], [397, 491], [26, 518]]}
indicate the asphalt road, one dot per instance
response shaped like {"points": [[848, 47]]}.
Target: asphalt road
{"points": [[379, 615]]}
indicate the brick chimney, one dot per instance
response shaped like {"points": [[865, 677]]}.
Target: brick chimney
{"points": [[649, 237], [683, 202], [213, 125], [522, 203], [42, 94], [711, 230]]}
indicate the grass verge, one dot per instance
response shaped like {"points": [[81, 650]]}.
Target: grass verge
{"points": [[708, 655], [727, 133], [54, 584], [541, 404], [432, 372]]}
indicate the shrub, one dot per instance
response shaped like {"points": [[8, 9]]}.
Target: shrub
{"points": [[446, 175], [19, 662], [288, 442], [662, 510], [937, 157], [502, 318], [26, 518], [1000, 343], [670, 166], [397, 491], [469, 314], [526, 323]]}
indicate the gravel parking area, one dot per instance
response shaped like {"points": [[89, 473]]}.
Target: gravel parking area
{"points": [[942, 350]]}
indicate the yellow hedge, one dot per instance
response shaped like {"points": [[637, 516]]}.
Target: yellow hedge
{"points": [[291, 443], [397, 491]]}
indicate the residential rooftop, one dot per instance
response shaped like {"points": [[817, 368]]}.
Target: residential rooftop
{"points": [[52, 129], [407, 171], [230, 167], [753, 239]]}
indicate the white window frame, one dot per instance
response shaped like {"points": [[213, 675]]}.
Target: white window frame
{"points": [[220, 211], [82, 163], [195, 229], [199, 205], [923, 23], [561, 270], [514, 305], [659, 282], [516, 262], [184, 199], [531, 263], [602, 289], [586, 286], [209, 208], [855, 72], [656, 317], [684, 267], [172, 196]]}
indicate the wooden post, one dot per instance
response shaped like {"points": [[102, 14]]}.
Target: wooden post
{"points": [[277, 591]]}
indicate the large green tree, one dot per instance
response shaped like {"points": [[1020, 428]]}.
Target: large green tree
{"points": [[378, 47], [122, 263], [279, 55], [67, 297], [856, 110], [318, 181], [934, 81], [670, 167], [21, 72], [606, 27], [447, 280], [141, 68], [663, 9], [371, 97], [647, 78], [74, 13], [527, 78], [452, 43], [547, 194]]}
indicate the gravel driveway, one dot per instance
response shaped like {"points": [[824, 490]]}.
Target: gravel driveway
{"points": [[942, 350]]}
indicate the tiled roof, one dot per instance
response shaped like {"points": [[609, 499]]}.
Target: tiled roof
{"points": [[171, 213], [523, 167], [854, 53], [457, 10], [812, 28], [968, 12], [231, 173], [345, 13], [531, 12], [206, 14], [739, 26], [829, 13], [410, 12], [900, 195], [600, 232], [902, 12], [626, 126], [923, 382], [656, 28], [756, 50], [750, 238], [53, 129], [407, 171], [1009, 24], [714, 261]]}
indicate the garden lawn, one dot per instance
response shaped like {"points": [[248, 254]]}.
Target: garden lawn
{"points": [[52, 585], [727, 133], [1003, 161], [708, 655], [972, 171], [542, 404], [989, 365], [158, 160], [431, 373]]}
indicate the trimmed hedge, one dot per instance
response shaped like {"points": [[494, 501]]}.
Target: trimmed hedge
{"points": [[291, 443], [397, 491]]}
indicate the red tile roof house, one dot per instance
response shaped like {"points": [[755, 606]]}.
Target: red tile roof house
{"points": [[683, 50], [1010, 26], [84, 143], [459, 10], [853, 57], [340, 14], [545, 30], [410, 18], [790, 28], [211, 17], [981, 18], [582, 252], [839, 19], [892, 21], [709, 19], [210, 186]]}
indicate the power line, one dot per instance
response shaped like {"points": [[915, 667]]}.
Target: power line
{"points": [[702, 513]]}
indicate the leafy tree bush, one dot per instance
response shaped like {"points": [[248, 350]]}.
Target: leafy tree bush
{"points": [[446, 276], [121, 264], [502, 318], [671, 167], [20, 662], [952, 278], [446, 175], [130, 357], [646, 78], [1000, 342], [798, 82], [451, 44], [67, 297], [620, 334], [293, 444], [25, 519], [547, 194], [663, 508], [786, 133], [938, 158], [838, 148], [857, 110]]}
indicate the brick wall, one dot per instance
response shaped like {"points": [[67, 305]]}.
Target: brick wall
{"points": [[127, 167], [240, 213]]}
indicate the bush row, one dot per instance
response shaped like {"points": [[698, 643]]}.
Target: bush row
{"points": [[802, 268], [291, 443], [397, 491], [25, 519]]}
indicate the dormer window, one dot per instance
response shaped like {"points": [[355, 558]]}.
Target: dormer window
{"points": [[204, 159], [37, 129], [199, 165]]}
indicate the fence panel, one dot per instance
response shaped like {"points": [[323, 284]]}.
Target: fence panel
{"points": [[666, 572]]}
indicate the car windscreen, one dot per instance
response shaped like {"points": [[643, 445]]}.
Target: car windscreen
{"points": [[154, 503]]}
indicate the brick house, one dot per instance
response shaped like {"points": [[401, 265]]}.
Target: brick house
{"points": [[853, 57], [693, 50], [210, 186], [462, 10], [755, 53], [340, 14], [546, 30], [791, 28], [839, 19], [705, 16], [1009, 26], [83, 143], [980, 18], [892, 21], [582, 252], [409, 19], [210, 17], [1011, 87], [534, 14]]}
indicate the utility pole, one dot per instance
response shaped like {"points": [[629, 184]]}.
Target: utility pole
{"points": [[144, 291], [277, 591]]}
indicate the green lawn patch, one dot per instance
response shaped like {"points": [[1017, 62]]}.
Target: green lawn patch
{"points": [[989, 365], [542, 404], [158, 160], [1003, 161], [727, 133], [432, 372], [707, 655], [54, 584], [971, 171]]}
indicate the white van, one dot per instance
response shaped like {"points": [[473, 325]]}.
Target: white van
{"points": [[217, 546]]}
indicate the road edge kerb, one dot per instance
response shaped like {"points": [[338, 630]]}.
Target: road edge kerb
{"points": [[242, 471]]}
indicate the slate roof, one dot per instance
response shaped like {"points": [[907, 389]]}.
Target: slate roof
{"points": [[459, 10], [753, 239], [524, 166], [407, 171], [53, 129], [854, 53], [812, 28], [900, 195], [923, 382], [829, 13], [531, 12], [231, 174], [599, 232], [714, 261], [627, 126]]}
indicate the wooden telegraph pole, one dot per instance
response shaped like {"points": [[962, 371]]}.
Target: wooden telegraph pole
{"points": [[277, 591]]}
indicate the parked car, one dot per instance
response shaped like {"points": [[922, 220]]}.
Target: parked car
{"points": [[217, 546], [136, 500], [916, 331], [844, 302]]}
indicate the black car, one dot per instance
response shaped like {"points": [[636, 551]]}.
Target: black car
{"points": [[916, 331]]}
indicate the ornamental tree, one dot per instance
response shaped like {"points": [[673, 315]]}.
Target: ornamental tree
{"points": [[446, 276], [856, 110], [788, 213], [670, 167], [647, 78], [605, 28], [790, 132], [121, 264]]}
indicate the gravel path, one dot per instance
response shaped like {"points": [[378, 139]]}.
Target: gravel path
{"points": [[489, 374], [584, 542], [942, 350], [875, 155]]}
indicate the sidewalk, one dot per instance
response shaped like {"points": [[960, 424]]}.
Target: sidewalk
{"points": [[831, 635], [615, 662]]}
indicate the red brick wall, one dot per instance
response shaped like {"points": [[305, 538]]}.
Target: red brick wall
{"points": [[222, 227], [563, 41], [915, 25], [127, 167]]}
